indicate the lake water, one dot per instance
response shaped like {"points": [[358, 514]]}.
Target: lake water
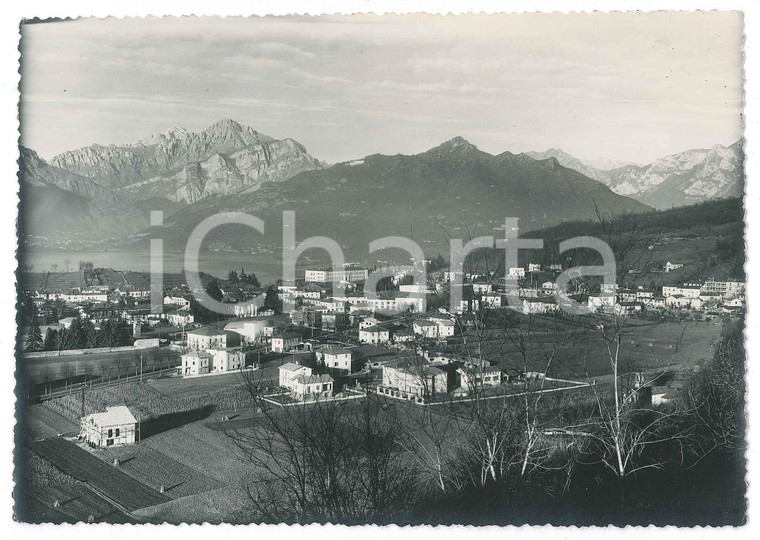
{"points": [[267, 268]]}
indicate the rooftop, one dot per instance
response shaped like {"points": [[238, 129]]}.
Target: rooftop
{"points": [[373, 329], [335, 350], [207, 331], [113, 416]]}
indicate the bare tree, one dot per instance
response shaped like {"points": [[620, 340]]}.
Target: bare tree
{"points": [[88, 370], [326, 461], [105, 368], [67, 372]]}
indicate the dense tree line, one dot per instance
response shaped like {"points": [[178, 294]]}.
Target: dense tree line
{"points": [[82, 334]]}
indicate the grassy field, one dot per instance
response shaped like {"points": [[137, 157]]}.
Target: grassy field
{"points": [[102, 477], [147, 402], [39, 422], [154, 469], [645, 346], [204, 450], [76, 504]]}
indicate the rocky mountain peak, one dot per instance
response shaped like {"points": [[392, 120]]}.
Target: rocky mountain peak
{"points": [[458, 146]]}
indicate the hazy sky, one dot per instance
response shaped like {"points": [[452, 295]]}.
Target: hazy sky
{"points": [[627, 86]]}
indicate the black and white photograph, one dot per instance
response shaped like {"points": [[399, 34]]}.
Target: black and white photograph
{"points": [[363, 269]]}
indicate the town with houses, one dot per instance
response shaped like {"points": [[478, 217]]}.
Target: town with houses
{"points": [[329, 336], [403, 304]]}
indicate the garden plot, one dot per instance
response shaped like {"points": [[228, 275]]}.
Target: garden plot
{"points": [[154, 469]]}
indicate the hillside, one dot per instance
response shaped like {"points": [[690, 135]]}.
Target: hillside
{"points": [[58, 204], [453, 189], [680, 179], [707, 238], [106, 192]]}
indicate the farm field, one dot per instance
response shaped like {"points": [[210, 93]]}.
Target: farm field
{"points": [[224, 505], [148, 403], [103, 478], [154, 469], [194, 387], [40, 422], [645, 346], [204, 450], [76, 503]]}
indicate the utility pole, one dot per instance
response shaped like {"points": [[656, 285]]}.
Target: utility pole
{"points": [[82, 415], [141, 371]]}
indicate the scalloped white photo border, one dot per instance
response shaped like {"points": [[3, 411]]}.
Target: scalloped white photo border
{"points": [[13, 12]]}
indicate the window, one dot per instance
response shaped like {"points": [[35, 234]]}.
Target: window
{"points": [[110, 433], [117, 432], [109, 442]]}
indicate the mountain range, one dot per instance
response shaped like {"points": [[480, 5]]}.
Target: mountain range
{"points": [[680, 179], [105, 193], [454, 189]]}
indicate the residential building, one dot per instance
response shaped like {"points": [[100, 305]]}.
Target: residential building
{"points": [[449, 276], [539, 305], [534, 267], [475, 377], [322, 275], [206, 337], [517, 271], [626, 309], [689, 291], [433, 328], [285, 342], [549, 287], [425, 328], [374, 335], [627, 295], [225, 360], [420, 382], [655, 302], [302, 383], [335, 358], [669, 266], [245, 309], [679, 301], [727, 289], [493, 300], [366, 323], [312, 387], [114, 427], [196, 362], [177, 302], [392, 302], [308, 316], [335, 321], [180, 318], [289, 371], [402, 335]]}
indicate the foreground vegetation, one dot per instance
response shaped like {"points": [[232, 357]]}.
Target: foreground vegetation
{"points": [[565, 459]]}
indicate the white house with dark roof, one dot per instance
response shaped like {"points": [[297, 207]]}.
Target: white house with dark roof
{"points": [[207, 337], [374, 335], [196, 362], [290, 371], [335, 358], [286, 341], [312, 386]]}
